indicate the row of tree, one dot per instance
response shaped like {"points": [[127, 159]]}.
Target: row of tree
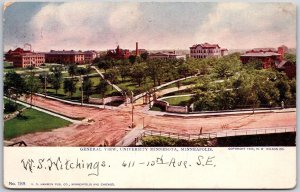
{"points": [[157, 70], [248, 88], [16, 85]]}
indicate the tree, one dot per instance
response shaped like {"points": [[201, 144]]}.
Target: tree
{"points": [[138, 73], [112, 75], [293, 88], [44, 80], [226, 67], [69, 86], [96, 60], [87, 87], [72, 70], [290, 57], [204, 100], [203, 68], [81, 71], [32, 85], [56, 77], [184, 70], [144, 56], [101, 88], [225, 97], [14, 85], [124, 71], [105, 64], [255, 87], [88, 69], [132, 59], [282, 84], [254, 64]]}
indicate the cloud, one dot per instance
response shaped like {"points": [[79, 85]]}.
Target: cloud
{"points": [[124, 16], [246, 25], [100, 26], [79, 25]]}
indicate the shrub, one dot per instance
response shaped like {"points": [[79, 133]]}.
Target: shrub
{"points": [[10, 107]]}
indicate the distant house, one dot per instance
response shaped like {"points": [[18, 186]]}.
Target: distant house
{"points": [[65, 57], [205, 50], [89, 56], [288, 68], [24, 58], [166, 55], [224, 52]]}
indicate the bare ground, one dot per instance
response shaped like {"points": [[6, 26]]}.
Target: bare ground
{"points": [[107, 127]]}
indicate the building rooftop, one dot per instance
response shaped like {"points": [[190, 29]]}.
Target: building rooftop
{"points": [[64, 52], [263, 50], [260, 54], [206, 46], [282, 64]]}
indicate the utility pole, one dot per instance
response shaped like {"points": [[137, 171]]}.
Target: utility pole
{"points": [[132, 107], [45, 84], [81, 89], [143, 122], [125, 98], [31, 79]]}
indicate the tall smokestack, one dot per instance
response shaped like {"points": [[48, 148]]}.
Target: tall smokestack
{"points": [[136, 48]]}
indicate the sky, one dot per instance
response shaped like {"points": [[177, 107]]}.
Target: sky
{"points": [[155, 25]]}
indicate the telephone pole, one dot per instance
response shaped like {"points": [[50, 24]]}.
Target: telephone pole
{"points": [[81, 89], [132, 107], [45, 84]]}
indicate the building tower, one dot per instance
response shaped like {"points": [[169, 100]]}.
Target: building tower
{"points": [[136, 48]]}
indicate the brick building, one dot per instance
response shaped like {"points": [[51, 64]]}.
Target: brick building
{"points": [[24, 58], [65, 57], [205, 50], [118, 53], [288, 68], [269, 57]]}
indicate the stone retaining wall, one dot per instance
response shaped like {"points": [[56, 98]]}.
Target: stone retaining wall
{"points": [[106, 100], [177, 109], [171, 108]]}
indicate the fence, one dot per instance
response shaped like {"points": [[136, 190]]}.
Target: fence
{"points": [[212, 135], [257, 131]]}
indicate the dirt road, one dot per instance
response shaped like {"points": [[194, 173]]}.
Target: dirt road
{"points": [[107, 127]]}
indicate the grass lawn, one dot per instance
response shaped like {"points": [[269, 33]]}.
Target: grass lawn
{"points": [[178, 101], [8, 66], [181, 92], [32, 121], [130, 85], [109, 92], [77, 95], [184, 82]]}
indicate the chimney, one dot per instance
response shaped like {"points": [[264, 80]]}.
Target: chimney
{"points": [[281, 52], [136, 48]]}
